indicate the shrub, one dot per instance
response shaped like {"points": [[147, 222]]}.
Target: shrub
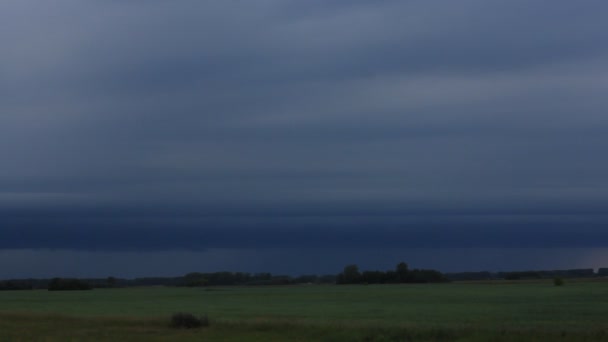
{"points": [[188, 321], [558, 282]]}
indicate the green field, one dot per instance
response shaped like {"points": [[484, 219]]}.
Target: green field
{"points": [[526, 311]]}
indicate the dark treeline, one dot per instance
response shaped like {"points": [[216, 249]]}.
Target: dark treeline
{"points": [[522, 275], [61, 284], [350, 275], [18, 284], [248, 279], [69, 284], [188, 280], [401, 274]]}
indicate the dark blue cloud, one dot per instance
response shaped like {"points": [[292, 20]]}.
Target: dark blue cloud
{"points": [[140, 229]]}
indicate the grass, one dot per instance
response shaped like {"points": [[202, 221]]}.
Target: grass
{"points": [[527, 311]]}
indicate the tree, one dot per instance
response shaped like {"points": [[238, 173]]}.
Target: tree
{"points": [[61, 284], [402, 272], [373, 277], [111, 281], [350, 275], [195, 279]]}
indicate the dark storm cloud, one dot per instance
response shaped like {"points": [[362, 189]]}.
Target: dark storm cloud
{"points": [[120, 229], [156, 125]]}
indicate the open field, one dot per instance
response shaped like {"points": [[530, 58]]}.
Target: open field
{"points": [[528, 311]]}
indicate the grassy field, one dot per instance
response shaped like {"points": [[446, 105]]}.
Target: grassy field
{"points": [[527, 311]]}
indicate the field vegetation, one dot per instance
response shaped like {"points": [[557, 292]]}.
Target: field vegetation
{"points": [[498, 311]]}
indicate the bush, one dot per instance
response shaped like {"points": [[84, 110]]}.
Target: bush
{"points": [[188, 321], [558, 282]]}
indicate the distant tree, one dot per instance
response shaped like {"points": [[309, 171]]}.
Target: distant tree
{"points": [[558, 281], [401, 274], [111, 281], [391, 277], [62, 284], [195, 279], [373, 277], [426, 276], [512, 276], [350, 275], [306, 279], [263, 276], [328, 279], [402, 271], [7, 285], [483, 275]]}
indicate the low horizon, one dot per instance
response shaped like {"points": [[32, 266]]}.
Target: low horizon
{"points": [[128, 265]]}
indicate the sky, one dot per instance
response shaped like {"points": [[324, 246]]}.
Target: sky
{"points": [[158, 138]]}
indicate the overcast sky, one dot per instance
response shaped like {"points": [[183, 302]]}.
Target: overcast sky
{"points": [[341, 128]]}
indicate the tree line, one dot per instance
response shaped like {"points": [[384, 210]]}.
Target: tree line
{"points": [[401, 275], [248, 279], [523, 275], [350, 275], [194, 279]]}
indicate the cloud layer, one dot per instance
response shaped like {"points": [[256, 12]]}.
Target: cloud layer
{"points": [[156, 126]]}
